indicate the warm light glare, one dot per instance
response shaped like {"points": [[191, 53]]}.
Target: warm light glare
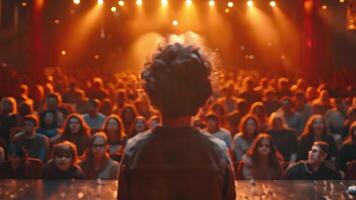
{"points": [[76, 1], [24, 4], [175, 23], [272, 3], [57, 21], [324, 7], [100, 2], [188, 2], [227, 10], [342, 1], [121, 3], [164, 2], [211, 3], [249, 3], [63, 52], [139, 2], [113, 9], [230, 4]]}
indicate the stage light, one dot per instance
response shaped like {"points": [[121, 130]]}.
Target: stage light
{"points": [[24, 4], [164, 2], [76, 1], [342, 1], [113, 9], [139, 2], [188, 2], [211, 3], [96, 57], [227, 10], [249, 3], [272, 3], [175, 23], [57, 21], [63, 52], [100, 2], [324, 7], [121, 3], [230, 4]]}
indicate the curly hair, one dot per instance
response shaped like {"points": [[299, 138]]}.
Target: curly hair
{"points": [[176, 80]]}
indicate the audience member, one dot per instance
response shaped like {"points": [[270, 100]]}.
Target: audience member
{"points": [[213, 128], [114, 130]]}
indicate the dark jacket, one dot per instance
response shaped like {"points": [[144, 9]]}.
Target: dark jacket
{"points": [[301, 171], [176, 163]]}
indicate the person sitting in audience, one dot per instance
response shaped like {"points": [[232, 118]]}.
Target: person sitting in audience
{"points": [[8, 118], [63, 163], [315, 130], [139, 125], [242, 141], [213, 128], [96, 162], [114, 130], [314, 168], [283, 137], [128, 115], [48, 125], [19, 165], [37, 145], [289, 115], [348, 148], [75, 130], [94, 118], [259, 111], [262, 161]]}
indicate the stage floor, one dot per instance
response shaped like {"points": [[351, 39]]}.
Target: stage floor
{"points": [[106, 190]]}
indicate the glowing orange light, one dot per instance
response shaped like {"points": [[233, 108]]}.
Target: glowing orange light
{"points": [[100, 2], [56, 21], [96, 57], [139, 2], [342, 1], [188, 2], [113, 9], [230, 4], [24, 4], [164, 2], [272, 3], [63, 52], [211, 3], [76, 1], [227, 10], [121, 3], [175, 23], [324, 7], [249, 3]]}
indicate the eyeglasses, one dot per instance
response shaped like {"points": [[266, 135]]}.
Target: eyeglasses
{"points": [[99, 145]]}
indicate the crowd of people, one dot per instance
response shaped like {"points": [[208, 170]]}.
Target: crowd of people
{"points": [[76, 126]]}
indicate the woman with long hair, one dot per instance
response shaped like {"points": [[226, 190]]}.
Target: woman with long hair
{"points": [[259, 111], [77, 131], [114, 130], [315, 130], [48, 125], [242, 141], [96, 162], [139, 125], [128, 115], [262, 161]]}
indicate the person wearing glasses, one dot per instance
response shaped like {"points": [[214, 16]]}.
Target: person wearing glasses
{"points": [[314, 167], [96, 163]]}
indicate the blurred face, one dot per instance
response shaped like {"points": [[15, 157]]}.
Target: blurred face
{"points": [[112, 126], [15, 161], [63, 162], [140, 125], [318, 126], [51, 103], [74, 125], [29, 126], [49, 118], [286, 105], [7, 106], [99, 147], [250, 127], [212, 125], [92, 109], [128, 115], [316, 155], [264, 148]]}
